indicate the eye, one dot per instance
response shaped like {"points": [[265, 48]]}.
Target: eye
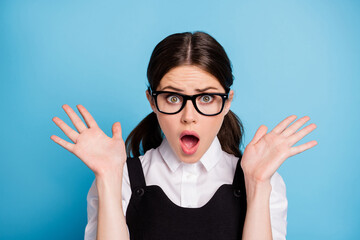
{"points": [[206, 99], [173, 99]]}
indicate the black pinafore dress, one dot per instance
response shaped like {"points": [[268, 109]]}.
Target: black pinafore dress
{"points": [[152, 215]]}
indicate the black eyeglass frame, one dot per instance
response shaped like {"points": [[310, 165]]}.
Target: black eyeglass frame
{"points": [[224, 97]]}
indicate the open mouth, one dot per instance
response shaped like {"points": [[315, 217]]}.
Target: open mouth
{"points": [[189, 142]]}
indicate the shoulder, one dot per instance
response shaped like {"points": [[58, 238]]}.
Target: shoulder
{"points": [[278, 199], [229, 160], [144, 159], [92, 212], [278, 207], [278, 185], [92, 196], [93, 193]]}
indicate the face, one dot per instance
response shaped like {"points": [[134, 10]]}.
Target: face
{"points": [[190, 80]]}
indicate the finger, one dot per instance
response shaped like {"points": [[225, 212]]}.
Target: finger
{"points": [[295, 126], [259, 134], [302, 147], [78, 123], [116, 130], [301, 134], [283, 124], [90, 121], [72, 134], [68, 146]]}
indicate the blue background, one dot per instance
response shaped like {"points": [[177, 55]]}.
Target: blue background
{"points": [[289, 57]]}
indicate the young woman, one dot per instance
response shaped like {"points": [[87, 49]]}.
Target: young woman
{"points": [[187, 178]]}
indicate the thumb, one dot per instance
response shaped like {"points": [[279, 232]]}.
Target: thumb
{"points": [[116, 130], [259, 134]]}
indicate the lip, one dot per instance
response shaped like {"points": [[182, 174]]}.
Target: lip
{"points": [[194, 148], [187, 132]]}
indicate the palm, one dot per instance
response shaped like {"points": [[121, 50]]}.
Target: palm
{"points": [[267, 151], [93, 145], [98, 151]]}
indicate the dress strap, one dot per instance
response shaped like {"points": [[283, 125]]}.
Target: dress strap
{"points": [[239, 181], [240, 191], [136, 174]]}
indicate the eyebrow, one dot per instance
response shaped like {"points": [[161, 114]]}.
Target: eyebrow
{"points": [[180, 90]]}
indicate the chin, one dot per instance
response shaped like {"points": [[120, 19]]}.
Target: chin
{"points": [[193, 158]]}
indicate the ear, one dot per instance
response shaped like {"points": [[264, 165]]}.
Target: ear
{"points": [[151, 101], [228, 102]]}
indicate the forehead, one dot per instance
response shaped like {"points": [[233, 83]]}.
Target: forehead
{"points": [[189, 78]]}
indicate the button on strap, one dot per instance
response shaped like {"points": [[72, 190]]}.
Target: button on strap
{"points": [[237, 192], [139, 192]]}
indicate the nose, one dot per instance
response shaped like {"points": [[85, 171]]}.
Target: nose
{"points": [[189, 113]]}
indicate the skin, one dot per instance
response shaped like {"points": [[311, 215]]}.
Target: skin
{"points": [[106, 156]]}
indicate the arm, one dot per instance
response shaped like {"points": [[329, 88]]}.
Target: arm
{"points": [[262, 157], [111, 220], [106, 157], [93, 205], [257, 221]]}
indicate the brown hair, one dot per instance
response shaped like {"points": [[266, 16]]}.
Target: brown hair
{"points": [[203, 51]]}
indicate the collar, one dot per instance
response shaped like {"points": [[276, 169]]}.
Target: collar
{"points": [[209, 159]]}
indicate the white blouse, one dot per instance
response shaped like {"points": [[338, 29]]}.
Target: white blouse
{"points": [[191, 185]]}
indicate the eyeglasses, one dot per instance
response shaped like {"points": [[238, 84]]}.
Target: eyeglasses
{"points": [[208, 104]]}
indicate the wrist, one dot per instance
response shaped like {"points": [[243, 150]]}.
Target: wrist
{"points": [[109, 182], [106, 174], [257, 191]]}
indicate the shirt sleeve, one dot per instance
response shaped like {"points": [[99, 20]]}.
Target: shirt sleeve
{"points": [[93, 204], [278, 207], [92, 212]]}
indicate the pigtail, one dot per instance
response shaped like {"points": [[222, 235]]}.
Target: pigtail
{"points": [[230, 134], [147, 134]]}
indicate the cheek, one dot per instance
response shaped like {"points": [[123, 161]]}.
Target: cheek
{"points": [[211, 125], [167, 124]]}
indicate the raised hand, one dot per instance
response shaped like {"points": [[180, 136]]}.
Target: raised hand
{"points": [[98, 151], [267, 151]]}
